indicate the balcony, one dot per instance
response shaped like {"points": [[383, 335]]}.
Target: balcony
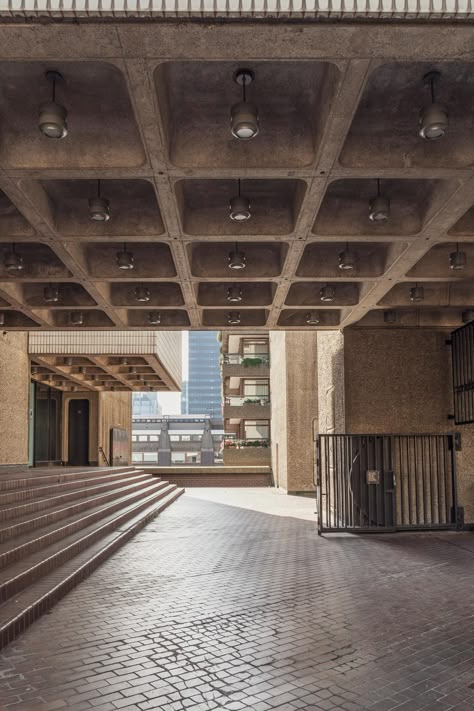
{"points": [[247, 452], [235, 365], [251, 408]]}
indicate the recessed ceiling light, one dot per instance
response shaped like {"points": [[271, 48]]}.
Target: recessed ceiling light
{"points": [[76, 318], [124, 258], [68, 361], [154, 318], [236, 259], [99, 207], [390, 316], [13, 262], [457, 260], [239, 207], [142, 294], [327, 294], [52, 119], [347, 260], [234, 294], [244, 115], [51, 294], [312, 318], [417, 294], [233, 318], [2, 318], [379, 207], [434, 119]]}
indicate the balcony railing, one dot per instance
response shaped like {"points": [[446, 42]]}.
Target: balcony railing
{"points": [[231, 443], [247, 361], [239, 401]]}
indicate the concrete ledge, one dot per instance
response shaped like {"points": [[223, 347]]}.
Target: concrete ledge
{"points": [[221, 476]]}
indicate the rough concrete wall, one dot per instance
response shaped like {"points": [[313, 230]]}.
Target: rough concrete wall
{"points": [[115, 410], [397, 381], [330, 366], [278, 397], [14, 397], [248, 456], [302, 408]]}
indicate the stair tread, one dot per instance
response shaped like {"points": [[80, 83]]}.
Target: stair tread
{"points": [[24, 600], [24, 538], [19, 480], [72, 493], [20, 567], [39, 490]]}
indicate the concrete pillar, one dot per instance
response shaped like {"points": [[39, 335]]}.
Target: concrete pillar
{"points": [[14, 398], [164, 446], [207, 446], [294, 403]]}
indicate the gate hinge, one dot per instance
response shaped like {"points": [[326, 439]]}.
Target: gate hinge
{"points": [[448, 342], [457, 441], [450, 417]]}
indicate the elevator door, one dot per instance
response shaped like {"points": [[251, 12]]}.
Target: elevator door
{"points": [[78, 436]]}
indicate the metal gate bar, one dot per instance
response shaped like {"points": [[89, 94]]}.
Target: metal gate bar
{"points": [[386, 482]]}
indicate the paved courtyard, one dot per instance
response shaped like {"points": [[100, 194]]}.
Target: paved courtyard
{"points": [[217, 605]]}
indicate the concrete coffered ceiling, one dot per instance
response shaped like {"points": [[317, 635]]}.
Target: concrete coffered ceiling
{"points": [[149, 117]]}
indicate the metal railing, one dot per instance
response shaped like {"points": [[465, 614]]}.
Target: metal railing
{"points": [[233, 443], [247, 361], [249, 400], [383, 482], [463, 373], [245, 9]]}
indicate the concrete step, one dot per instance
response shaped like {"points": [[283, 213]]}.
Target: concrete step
{"points": [[40, 489], [18, 480], [23, 524], [19, 575], [35, 540], [91, 489], [19, 612]]}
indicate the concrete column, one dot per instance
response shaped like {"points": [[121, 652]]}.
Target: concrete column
{"points": [[164, 446], [14, 398], [294, 403], [207, 446]]}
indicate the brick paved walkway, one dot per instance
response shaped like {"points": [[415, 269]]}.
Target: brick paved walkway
{"points": [[220, 607]]}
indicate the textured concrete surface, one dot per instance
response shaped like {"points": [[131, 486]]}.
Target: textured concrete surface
{"points": [[149, 108], [220, 606], [14, 398]]}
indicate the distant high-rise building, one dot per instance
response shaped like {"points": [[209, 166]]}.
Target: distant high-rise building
{"points": [[204, 386], [184, 398], [145, 404]]}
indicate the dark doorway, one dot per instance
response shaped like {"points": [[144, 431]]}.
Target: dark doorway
{"points": [[78, 433], [47, 425]]}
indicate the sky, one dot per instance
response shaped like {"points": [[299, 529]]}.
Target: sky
{"points": [[171, 402]]}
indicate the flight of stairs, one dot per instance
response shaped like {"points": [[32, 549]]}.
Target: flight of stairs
{"points": [[57, 526]]}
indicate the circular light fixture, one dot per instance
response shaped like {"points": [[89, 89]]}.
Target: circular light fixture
{"points": [[327, 294], [124, 259], [123, 361], [467, 315], [236, 259], [68, 361], [51, 294], [379, 207], [142, 294], [2, 318], [417, 294], [434, 119], [99, 207], [34, 369], [239, 207], [312, 318], [347, 260], [52, 119], [233, 318], [244, 115], [154, 318], [132, 369], [13, 262], [390, 316], [77, 318], [457, 260], [82, 370], [234, 294]]}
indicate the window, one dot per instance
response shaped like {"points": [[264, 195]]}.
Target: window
{"points": [[142, 438], [256, 388], [257, 429], [253, 347]]}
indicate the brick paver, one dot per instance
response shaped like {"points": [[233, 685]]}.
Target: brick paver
{"points": [[214, 606]]}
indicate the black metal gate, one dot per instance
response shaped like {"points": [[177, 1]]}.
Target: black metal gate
{"points": [[386, 482]]}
